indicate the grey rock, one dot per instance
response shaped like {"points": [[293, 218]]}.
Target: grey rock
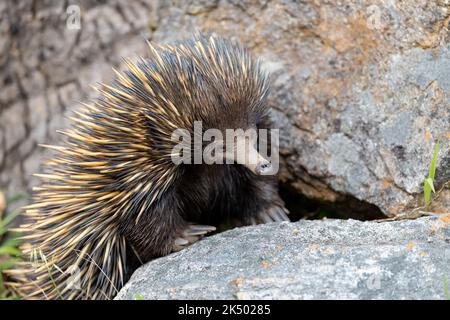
{"points": [[327, 259]]}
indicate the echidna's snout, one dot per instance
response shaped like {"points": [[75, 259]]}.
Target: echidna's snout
{"points": [[263, 167], [246, 154], [255, 162]]}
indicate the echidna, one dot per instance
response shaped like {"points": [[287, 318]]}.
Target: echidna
{"points": [[112, 198]]}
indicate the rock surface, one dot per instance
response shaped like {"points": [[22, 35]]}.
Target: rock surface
{"points": [[329, 259], [360, 88]]}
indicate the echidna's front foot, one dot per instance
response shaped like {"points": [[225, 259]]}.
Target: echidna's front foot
{"points": [[190, 235], [273, 214]]}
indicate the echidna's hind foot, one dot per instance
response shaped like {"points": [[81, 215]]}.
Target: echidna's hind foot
{"points": [[273, 214], [190, 235]]}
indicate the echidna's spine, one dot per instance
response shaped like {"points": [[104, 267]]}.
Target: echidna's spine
{"points": [[101, 173], [115, 164]]}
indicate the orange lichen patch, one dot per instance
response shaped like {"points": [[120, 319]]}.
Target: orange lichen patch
{"points": [[265, 264], [333, 87], [430, 40], [344, 36], [237, 281], [423, 253], [447, 22], [427, 136], [279, 248], [410, 245], [397, 209], [448, 135], [386, 183], [314, 246], [445, 218]]}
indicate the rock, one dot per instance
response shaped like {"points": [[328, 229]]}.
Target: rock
{"points": [[320, 259], [360, 91]]}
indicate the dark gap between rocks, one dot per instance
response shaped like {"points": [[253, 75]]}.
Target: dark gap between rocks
{"points": [[301, 207]]}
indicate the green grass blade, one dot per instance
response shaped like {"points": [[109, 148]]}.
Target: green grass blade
{"points": [[432, 172], [138, 296], [16, 198], [10, 217], [9, 250], [428, 183], [7, 264], [427, 193]]}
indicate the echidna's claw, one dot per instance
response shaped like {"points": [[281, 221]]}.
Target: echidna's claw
{"points": [[265, 217], [279, 214], [190, 235], [274, 214], [181, 242], [198, 230]]}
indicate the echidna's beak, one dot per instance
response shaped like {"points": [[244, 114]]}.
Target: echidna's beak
{"points": [[263, 167], [256, 163], [247, 155]]}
